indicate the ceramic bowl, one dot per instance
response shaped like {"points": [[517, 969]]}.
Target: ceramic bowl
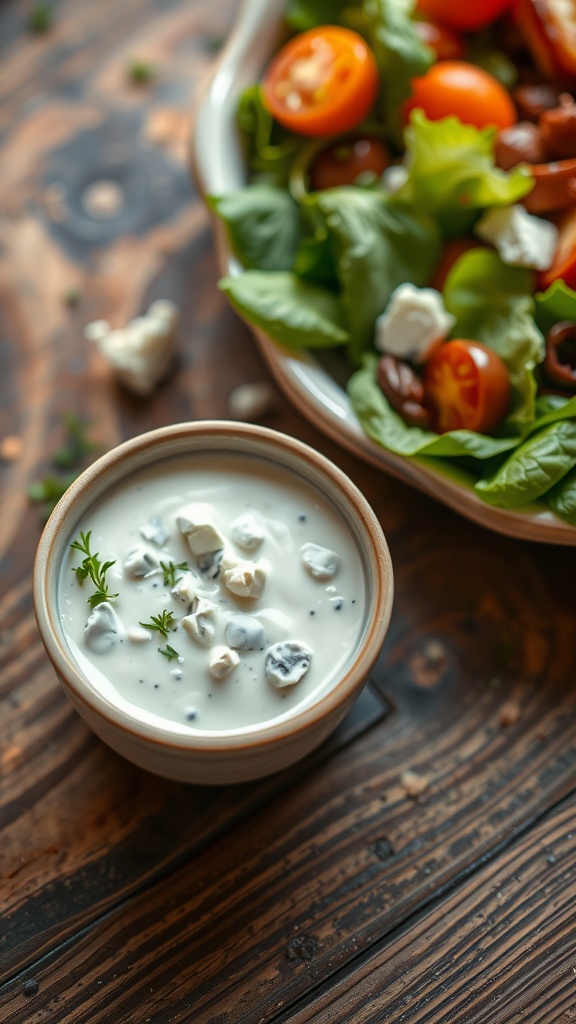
{"points": [[315, 381], [231, 756]]}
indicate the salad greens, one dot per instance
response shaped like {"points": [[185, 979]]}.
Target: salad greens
{"points": [[319, 267]]}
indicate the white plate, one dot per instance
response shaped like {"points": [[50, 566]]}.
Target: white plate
{"points": [[310, 381]]}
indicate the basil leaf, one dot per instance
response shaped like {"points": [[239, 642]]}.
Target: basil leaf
{"points": [[557, 303], [538, 464], [263, 225], [270, 149], [293, 312], [304, 14]]}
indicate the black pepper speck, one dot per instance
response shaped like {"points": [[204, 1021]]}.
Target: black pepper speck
{"points": [[30, 987]]}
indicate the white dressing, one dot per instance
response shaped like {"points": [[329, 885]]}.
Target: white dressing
{"points": [[230, 659]]}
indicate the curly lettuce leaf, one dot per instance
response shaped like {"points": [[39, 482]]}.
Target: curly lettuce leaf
{"points": [[263, 225], [293, 312], [451, 172], [377, 244], [494, 304]]}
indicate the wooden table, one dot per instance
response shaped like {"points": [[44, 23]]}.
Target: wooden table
{"points": [[344, 890]]}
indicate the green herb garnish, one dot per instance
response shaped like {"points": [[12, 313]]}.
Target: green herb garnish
{"points": [[76, 446], [170, 569], [71, 456], [40, 18], [140, 72], [169, 652], [92, 568], [160, 623]]}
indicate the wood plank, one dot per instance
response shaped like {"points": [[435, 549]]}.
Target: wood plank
{"points": [[500, 949]]}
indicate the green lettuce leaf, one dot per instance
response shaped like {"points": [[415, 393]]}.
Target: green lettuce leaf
{"points": [[304, 14], [536, 466], [451, 172], [493, 303], [263, 225], [557, 303], [377, 244], [270, 149], [293, 312]]}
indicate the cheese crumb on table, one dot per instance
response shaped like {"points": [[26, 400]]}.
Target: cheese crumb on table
{"points": [[140, 353]]}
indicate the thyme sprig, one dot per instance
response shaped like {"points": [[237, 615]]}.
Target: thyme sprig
{"points": [[160, 623], [169, 652], [170, 569], [92, 568]]}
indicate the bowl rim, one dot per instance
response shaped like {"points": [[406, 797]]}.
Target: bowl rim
{"points": [[164, 443]]}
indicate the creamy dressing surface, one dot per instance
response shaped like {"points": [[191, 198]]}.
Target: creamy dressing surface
{"points": [[283, 527]]}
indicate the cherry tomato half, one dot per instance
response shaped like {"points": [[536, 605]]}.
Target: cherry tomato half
{"points": [[466, 387], [453, 87], [447, 45], [345, 161], [466, 17], [322, 82]]}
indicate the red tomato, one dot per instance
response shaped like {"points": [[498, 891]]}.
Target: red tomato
{"points": [[345, 161], [322, 82], [447, 45], [464, 15], [453, 87], [564, 264], [466, 387]]}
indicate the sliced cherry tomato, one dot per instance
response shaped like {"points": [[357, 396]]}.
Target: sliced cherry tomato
{"points": [[322, 82], [466, 387], [564, 264], [466, 17], [456, 88], [447, 45], [345, 161], [548, 29]]}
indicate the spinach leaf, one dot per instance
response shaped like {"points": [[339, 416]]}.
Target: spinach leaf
{"points": [[562, 498], [263, 224], [535, 466], [377, 244], [293, 312], [493, 304]]}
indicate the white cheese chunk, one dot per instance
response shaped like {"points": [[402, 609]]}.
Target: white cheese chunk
{"points": [[223, 661], [186, 590], [246, 532], [140, 353], [286, 662], [320, 562], [140, 562], [245, 633], [244, 578], [139, 635], [103, 630], [520, 238], [155, 532], [413, 323], [196, 523], [202, 622]]}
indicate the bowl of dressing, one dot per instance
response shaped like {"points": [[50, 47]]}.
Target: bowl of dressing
{"points": [[212, 596]]}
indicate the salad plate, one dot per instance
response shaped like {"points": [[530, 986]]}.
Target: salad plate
{"points": [[315, 382]]}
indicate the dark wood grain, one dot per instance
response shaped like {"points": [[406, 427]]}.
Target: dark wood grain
{"points": [[327, 893]]}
